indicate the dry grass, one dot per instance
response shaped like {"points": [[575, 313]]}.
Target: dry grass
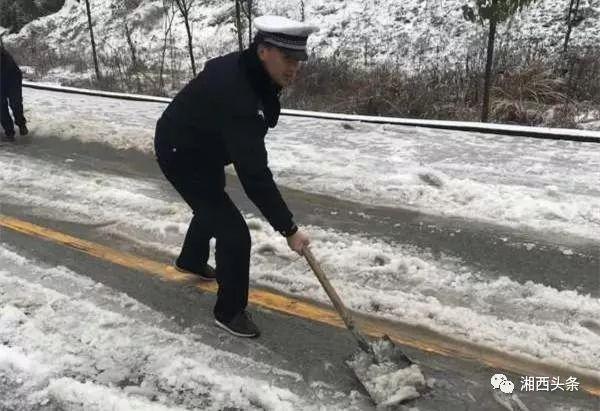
{"points": [[530, 88], [536, 83], [522, 96], [334, 85]]}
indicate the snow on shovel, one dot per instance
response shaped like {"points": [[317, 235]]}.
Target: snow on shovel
{"points": [[387, 374]]}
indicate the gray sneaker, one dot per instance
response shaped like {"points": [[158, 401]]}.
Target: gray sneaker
{"points": [[241, 325]]}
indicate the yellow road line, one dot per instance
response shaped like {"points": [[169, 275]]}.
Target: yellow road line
{"points": [[410, 335]]}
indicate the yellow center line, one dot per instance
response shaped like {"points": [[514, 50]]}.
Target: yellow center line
{"points": [[411, 335]]}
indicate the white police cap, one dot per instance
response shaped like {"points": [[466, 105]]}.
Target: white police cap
{"points": [[287, 34]]}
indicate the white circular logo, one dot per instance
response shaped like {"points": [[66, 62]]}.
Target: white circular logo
{"points": [[507, 387], [497, 380]]}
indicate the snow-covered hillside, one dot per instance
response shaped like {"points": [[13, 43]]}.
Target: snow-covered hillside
{"points": [[406, 33]]}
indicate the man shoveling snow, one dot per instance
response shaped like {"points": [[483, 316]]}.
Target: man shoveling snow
{"points": [[222, 117]]}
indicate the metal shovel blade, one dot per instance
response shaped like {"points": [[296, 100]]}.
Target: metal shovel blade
{"points": [[386, 373]]}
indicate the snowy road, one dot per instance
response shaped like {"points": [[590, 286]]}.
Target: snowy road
{"points": [[79, 333], [530, 288], [69, 342], [387, 278], [546, 185]]}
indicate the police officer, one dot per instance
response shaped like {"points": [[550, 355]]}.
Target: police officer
{"points": [[222, 117], [11, 94]]}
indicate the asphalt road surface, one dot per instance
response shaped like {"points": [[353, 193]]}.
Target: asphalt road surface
{"points": [[301, 345]]}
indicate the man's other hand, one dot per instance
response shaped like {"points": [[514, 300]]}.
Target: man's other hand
{"points": [[298, 241]]}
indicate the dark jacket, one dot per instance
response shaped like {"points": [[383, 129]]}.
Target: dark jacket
{"points": [[10, 73], [223, 115]]}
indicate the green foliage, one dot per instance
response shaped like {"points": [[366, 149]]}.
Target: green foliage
{"points": [[497, 10], [15, 14]]}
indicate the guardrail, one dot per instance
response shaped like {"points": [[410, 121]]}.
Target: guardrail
{"points": [[490, 128]]}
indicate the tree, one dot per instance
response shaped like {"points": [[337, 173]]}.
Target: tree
{"points": [[14, 14], [243, 9], [494, 11], [123, 8], [184, 7], [169, 11], [238, 24], [249, 12], [7, 14], [571, 18], [89, 16]]}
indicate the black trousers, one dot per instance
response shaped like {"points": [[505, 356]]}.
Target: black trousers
{"points": [[202, 186], [11, 93]]}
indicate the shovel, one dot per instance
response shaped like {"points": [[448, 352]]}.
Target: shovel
{"points": [[387, 374]]}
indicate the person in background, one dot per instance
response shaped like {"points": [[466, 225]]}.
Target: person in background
{"points": [[221, 117], [11, 95]]}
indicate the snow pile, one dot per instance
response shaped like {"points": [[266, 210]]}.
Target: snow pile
{"points": [[388, 380]]}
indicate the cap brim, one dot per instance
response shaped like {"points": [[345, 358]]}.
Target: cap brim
{"points": [[295, 54]]}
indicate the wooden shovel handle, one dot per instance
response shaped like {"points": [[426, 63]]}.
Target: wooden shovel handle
{"points": [[335, 299]]}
